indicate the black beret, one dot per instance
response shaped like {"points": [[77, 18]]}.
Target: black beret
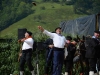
{"points": [[68, 37], [57, 28], [96, 31], [30, 33]]}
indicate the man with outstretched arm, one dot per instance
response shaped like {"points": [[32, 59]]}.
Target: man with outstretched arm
{"points": [[59, 42]]}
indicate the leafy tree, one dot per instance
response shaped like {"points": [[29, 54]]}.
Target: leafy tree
{"points": [[84, 6], [96, 6], [13, 10]]}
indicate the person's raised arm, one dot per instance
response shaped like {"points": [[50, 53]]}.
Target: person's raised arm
{"points": [[46, 32]]}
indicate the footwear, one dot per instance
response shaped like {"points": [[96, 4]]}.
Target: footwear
{"points": [[21, 72], [32, 72], [91, 73], [66, 73]]}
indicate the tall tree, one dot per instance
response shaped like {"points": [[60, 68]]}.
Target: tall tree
{"points": [[96, 6], [83, 6]]}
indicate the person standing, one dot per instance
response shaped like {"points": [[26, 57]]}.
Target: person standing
{"points": [[71, 48], [48, 44], [68, 41], [26, 52], [59, 42], [91, 52]]}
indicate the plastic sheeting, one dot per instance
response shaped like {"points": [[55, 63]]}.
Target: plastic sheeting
{"points": [[80, 26]]}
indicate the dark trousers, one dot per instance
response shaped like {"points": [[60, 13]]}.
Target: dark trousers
{"points": [[26, 57], [68, 66], [92, 64], [49, 57], [98, 64], [58, 59]]}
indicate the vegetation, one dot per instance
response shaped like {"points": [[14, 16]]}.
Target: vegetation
{"points": [[47, 14], [16, 14]]}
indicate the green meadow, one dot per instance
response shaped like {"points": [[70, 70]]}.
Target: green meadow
{"points": [[46, 14]]}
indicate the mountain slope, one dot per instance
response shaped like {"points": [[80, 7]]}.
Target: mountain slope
{"points": [[48, 15]]}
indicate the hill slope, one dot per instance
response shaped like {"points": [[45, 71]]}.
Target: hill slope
{"points": [[48, 15]]}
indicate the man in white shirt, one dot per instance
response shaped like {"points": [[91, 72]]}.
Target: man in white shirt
{"points": [[59, 42], [26, 53]]}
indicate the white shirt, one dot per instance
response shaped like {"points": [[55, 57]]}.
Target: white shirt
{"points": [[93, 37], [28, 43], [58, 41]]}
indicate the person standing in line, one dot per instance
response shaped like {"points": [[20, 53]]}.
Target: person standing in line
{"points": [[59, 42], [68, 41], [48, 44], [26, 52], [91, 52], [71, 48]]}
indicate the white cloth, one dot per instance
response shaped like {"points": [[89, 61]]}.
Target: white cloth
{"points": [[58, 40], [28, 43], [66, 52]]}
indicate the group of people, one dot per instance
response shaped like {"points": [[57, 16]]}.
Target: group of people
{"points": [[60, 50]]}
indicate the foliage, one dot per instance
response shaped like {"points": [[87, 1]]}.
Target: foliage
{"points": [[12, 11], [49, 18], [9, 50], [87, 6]]}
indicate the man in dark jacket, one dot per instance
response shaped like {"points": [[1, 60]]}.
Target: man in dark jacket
{"points": [[91, 51], [48, 44], [71, 48]]}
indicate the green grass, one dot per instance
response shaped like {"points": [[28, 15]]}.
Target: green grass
{"points": [[49, 15]]}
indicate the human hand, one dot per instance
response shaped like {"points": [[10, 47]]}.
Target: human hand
{"points": [[41, 28], [22, 39], [51, 46]]}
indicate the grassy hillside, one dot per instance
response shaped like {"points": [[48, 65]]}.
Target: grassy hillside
{"points": [[48, 15]]}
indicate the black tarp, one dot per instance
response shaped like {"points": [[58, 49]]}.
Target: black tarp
{"points": [[80, 26]]}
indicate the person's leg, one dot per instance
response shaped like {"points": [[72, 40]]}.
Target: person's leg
{"points": [[68, 67], [87, 67], [48, 66], [55, 63], [92, 64], [22, 63], [28, 60], [60, 62], [98, 66]]}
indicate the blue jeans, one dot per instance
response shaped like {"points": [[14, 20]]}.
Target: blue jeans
{"points": [[58, 62]]}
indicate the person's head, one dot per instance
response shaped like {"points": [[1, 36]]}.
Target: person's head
{"points": [[58, 30], [28, 34], [68, 39], [75, 41], [97, 34]]}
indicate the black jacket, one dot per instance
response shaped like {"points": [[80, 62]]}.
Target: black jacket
{"points": [[91, 45], [71, 51], [46, 46]]}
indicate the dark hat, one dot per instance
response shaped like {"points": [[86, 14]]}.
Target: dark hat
{"points": [[76, 40], [57, 28], [96, 31], [30, 33], [68, 37]]}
